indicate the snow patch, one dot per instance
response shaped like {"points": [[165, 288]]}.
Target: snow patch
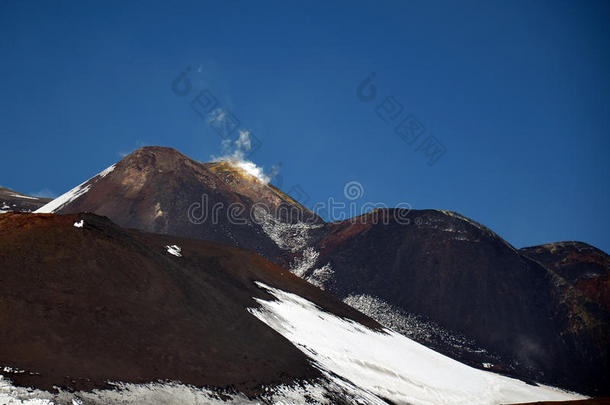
{"points": [[328, 390], [8, 369], [23, 196], [107, 171], [287, 236], [300, 265], [410, 325], [320, 277], [386, 363], [174, 250], [64, 199], [10, 394]]}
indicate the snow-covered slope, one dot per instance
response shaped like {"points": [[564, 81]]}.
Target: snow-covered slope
{"points": [[359, 366], [480, 301], [73, 194], [174, 393], [388, 364]]}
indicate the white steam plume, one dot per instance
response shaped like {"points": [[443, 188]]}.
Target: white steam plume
{"points": [[235, 152]]}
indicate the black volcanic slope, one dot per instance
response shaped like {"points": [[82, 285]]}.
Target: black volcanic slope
{"points": [[13, 201], [81, 306], [464, 277]]}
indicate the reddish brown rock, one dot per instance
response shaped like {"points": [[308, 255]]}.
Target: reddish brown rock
{"points": [[82, 306]]}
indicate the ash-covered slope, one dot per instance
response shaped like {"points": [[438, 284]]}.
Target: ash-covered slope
{"points": [[460, 276], [13, 201], [84, 302], [160, 190], [159, 319]]}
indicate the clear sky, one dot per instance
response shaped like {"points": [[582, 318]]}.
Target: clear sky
{"points": [[516, 92]]}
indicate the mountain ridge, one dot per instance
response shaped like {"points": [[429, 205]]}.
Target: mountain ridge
{"points": [[545, 329]]}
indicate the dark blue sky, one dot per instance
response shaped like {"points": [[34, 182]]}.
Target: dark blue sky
{"points": [[517, 92]]}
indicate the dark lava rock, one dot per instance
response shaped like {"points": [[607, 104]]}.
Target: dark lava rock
{"points": [[13, 201], [83, 306]]}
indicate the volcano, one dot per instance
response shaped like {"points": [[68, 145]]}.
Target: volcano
{"points": [[160, 190], [437, 277]]}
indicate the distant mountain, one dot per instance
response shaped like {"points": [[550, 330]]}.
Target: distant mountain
{"points": [[456, 286], [92, 313], [13, 201], [437, 277], [583, 266]]}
